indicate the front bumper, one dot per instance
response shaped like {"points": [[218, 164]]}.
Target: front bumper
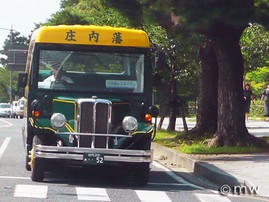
{"points": [[78, 154], [5, 114], [19, 113]]}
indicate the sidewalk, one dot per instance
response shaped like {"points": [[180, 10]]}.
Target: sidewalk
{"points": [[257, 128], [251, 170]]}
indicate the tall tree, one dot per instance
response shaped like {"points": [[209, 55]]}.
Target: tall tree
{"points": [[206, 118], [223, 23], [178, 60], [14, 40], [86, 12], [254, 45]]}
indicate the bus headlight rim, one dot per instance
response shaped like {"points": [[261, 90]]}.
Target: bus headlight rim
{"points": [[129, 124], [57, 121]]}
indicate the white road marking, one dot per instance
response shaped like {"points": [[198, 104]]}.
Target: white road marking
{"points": [[100, 194], [4, 146], [92, 194], [212, 198], [7, 123], [167, 184], [174, 176], [152, 196], [31, 191], [13, 177]]}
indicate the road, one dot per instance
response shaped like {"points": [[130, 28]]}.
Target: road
{"points": [[109, 185]]}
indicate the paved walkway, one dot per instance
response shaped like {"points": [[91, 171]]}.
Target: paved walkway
{"points": [[250, 172], [257, 128]]}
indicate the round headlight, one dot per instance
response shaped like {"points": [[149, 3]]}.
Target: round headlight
{"points": [[57, 120], [129, 124]]}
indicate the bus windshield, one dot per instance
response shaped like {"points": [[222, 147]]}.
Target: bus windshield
{"points": [[91, 71]]}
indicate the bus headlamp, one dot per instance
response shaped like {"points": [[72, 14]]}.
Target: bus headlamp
{"points": [[57, 121], [129, 124]]}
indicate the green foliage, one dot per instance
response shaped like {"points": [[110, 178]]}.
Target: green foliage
{"points": [[4, 83], [197, 144], [85, 12], [205, 15], [258, 79], [165, 138], [254, 46], [261, 12], [132, 10], [14, 38], [257, 109], [200, 148], [68, 16], [68, 3]]}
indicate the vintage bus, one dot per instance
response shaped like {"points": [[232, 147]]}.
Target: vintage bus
{"points": [[88, 100]]}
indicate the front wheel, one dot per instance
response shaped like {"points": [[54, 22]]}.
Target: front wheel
{"points": [[37, 164], [27, 161], [141, 174]]}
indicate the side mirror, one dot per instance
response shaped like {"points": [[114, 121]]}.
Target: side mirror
{"points": [[22, 80], [154, 111]]}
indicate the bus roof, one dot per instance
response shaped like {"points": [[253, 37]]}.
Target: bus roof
{"points": [[91, 35]]}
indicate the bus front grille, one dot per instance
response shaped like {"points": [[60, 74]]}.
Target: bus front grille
{"points": [[94, 116]]}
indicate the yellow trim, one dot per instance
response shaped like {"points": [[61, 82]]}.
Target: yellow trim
{"points": [[68, 101], [91, 35], [69, 128], [67, 125], [71, 102], [149, 131], [36, 126], [121, 103]]}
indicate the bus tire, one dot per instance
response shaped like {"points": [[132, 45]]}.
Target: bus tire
{"points": [[141, 174], [37, 165], [27, 162]]}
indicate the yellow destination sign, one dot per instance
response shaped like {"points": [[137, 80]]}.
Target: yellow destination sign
{"points": [[91, 35]]}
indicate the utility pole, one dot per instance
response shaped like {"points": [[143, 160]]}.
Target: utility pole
{"points": [[11, 43]]}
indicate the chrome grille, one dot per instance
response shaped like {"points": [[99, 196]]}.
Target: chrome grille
{"points": [[94, 116]]}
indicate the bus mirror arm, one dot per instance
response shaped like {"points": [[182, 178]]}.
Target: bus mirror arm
{"points": [[154, 111]]}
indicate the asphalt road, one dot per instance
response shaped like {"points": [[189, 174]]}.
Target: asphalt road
{"points": [[99, 185]]}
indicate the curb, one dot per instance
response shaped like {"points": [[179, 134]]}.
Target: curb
{"points": [[197, 167]]}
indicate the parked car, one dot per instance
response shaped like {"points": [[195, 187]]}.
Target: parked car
{"points": [[20, 108], [5, 110], [13, 109]]}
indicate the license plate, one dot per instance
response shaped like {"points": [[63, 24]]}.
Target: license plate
{"points": [[93, 158]]}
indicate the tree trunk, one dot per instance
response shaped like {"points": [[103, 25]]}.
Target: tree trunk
{"points": [[185, 125], [231, 128], [163, 97], [206, 120], [161, 122], [173, 105]]}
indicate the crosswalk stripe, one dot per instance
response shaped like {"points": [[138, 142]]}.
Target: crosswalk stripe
{"points": [[100, 194], [31, 191], [4, 146], [212, 198], [92, 194], [152, 196]]}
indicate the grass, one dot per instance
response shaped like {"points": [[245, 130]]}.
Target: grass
{"points": [[198, 145]]}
